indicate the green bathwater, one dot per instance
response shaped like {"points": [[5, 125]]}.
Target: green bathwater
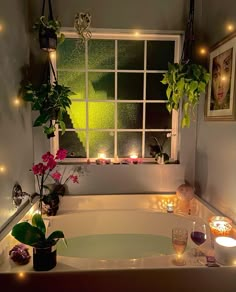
{"points": [[114, 246]]}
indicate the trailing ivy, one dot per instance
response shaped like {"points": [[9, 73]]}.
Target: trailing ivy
{"points": [[185, 84]]}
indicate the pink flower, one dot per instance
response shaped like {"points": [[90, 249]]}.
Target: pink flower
{"points": [[61, 154], [47, 156], [51, 163], [56, 175], [74, 178], [39, 168]]}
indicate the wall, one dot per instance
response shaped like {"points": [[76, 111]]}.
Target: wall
{"points": [[216, 144], [151, 15], [16, 148]]}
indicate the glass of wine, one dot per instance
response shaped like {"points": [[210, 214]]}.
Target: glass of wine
{"points": [[198, 236], [179, 242]]}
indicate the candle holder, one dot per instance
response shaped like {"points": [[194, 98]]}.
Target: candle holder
{"points": [[220, 226]]}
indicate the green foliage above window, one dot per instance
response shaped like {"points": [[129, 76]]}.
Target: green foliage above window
{"points": [[185, 84]]}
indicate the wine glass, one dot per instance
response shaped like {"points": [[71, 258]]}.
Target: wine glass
{"points": [[179, 242], [198, 236]]}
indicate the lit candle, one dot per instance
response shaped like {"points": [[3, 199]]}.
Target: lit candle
{"points": [[170, 207], [133, 158], [225, 250], [220, 226]]}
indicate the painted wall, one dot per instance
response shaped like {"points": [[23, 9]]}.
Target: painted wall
{"points": [[216, 143], [16, 149]]}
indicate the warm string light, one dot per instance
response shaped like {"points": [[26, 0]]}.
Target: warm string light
{"points": [[16, 101], [2, 169], [53, 56], [230, 27], [1, 27]]}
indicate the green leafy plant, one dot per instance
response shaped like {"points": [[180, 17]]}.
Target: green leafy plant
{"points": [[35, 234], [185, 84], [51, 100], [50, 26]]}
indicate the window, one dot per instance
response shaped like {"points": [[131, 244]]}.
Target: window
{"points": [[119, 103]]}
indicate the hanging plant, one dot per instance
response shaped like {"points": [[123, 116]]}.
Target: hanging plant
{"points": [[51, 101], [48, 30], [185, 84]]}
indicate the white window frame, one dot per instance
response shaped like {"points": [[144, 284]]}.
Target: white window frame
{"points": [[114, 34]]}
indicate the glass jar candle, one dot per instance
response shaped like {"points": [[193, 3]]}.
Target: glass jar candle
{"points": [[220, 225]]}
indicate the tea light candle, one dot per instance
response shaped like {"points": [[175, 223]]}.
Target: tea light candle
{"points": [[134, 158], [220, 226], [170, 208]]}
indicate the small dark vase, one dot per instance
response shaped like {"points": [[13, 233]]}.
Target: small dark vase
{"points": [[47, 39], [44, 259], [51, 201]]}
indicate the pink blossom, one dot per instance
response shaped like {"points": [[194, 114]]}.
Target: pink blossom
{"points": [[51, 163], [56, 175], [61, 154], [47, 156], [39, 168], [74, 178]]}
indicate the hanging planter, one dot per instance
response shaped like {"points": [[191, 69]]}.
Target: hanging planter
{"points": [[48, 30]]}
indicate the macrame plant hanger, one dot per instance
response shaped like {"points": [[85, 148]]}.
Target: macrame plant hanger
{"points": [[189, 37], [47, 36]]}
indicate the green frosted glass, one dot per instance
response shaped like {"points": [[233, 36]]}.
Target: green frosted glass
{"points": [[101, 142], [77, 114], [157, 116], [116, 246], [161, 138], [130, 115], [129, 142], [131, 55], [159, 53], [73, 143], [155, 90], [101, 115], [101, 54], [71, 54], [76, 82], [101, 85], [130, 86]]}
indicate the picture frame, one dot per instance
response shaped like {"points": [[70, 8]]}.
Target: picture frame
{"points": [[221, 92]]}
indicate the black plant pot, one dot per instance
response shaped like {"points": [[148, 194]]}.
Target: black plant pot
{"points": [[47, 40], [44, 259]]}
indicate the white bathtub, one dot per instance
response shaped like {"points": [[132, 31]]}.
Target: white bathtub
{"points": [[115, 233], [144, 269]]}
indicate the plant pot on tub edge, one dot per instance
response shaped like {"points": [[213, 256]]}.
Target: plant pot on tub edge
{"points": [[44, 249]]}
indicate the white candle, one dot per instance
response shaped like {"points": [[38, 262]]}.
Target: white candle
{"points": [[170, 208], [225, 250]]}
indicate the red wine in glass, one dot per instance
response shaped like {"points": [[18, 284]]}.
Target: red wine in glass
{"points": [[198, 237]]}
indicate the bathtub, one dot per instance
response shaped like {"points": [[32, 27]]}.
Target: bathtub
{"points": [[124, 245]]}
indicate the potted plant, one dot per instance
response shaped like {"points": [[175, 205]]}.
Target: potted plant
{"points": [[49, 197], [185, 83], [51, 101], [49, 33], [157, 149], [44, 248]]}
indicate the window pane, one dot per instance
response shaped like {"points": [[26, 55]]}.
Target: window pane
{"points": [[71, 54], [131, 55], [76, 82], [152, 141], [77, 115], [74, 143], [101, 115], [130, 115], [101, 54], [157, 116], [130, 86], [159, 53], [101, 142], [129, 142], [101, 85], [155, 90]]}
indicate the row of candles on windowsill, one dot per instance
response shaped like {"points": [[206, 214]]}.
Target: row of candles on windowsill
{"points": [[133, 159]]}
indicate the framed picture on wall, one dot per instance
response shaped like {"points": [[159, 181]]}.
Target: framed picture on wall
{"points": [[220, 101]]}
